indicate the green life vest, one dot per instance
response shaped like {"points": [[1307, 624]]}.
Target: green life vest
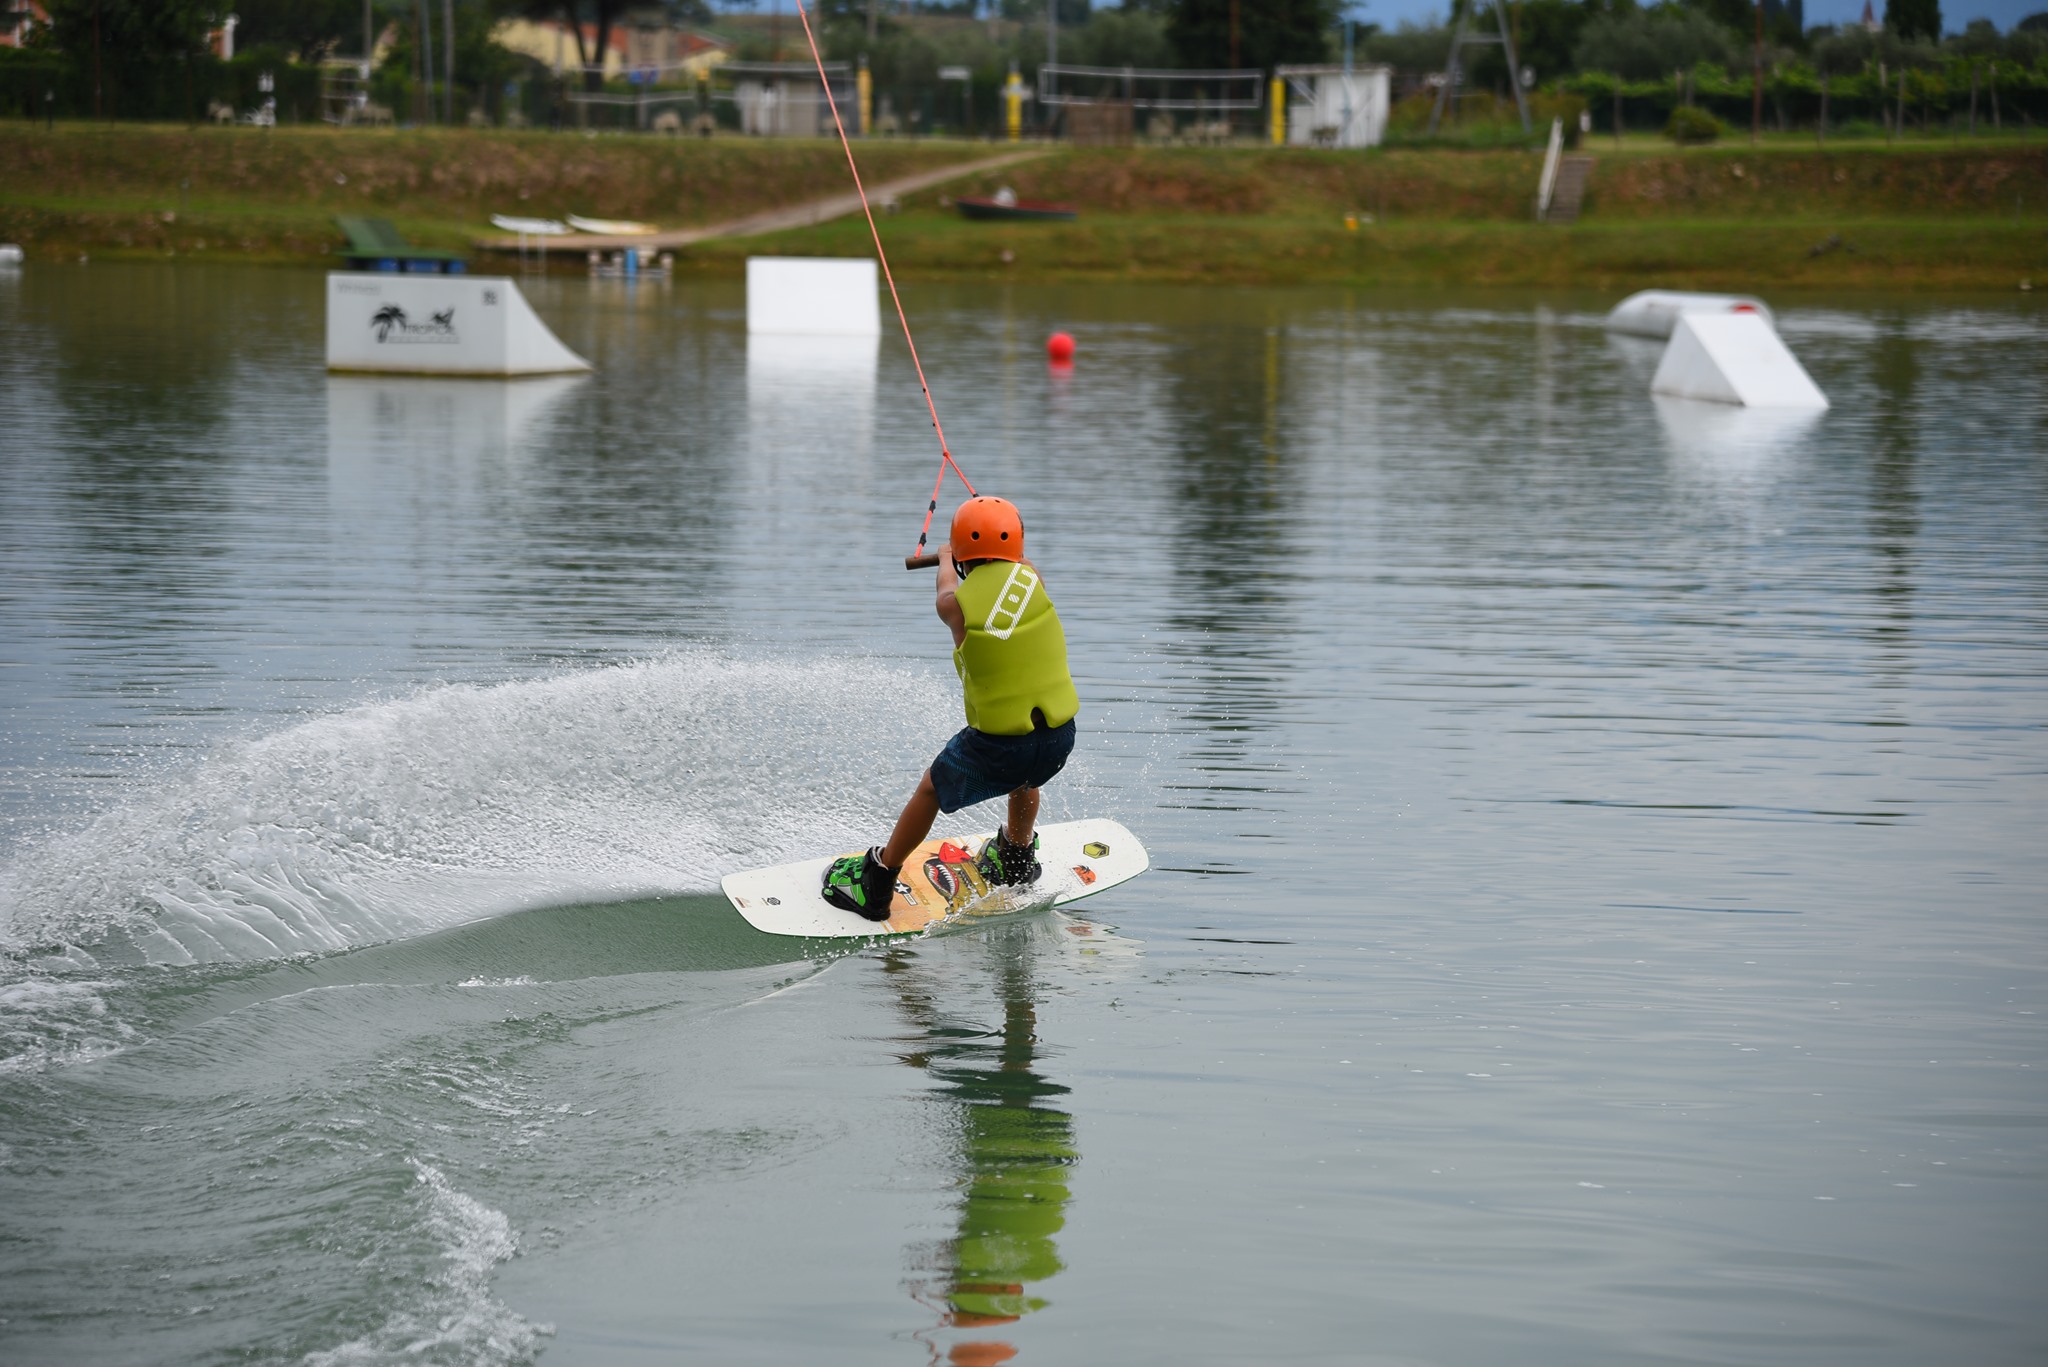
{"points": [[1015, 656]]}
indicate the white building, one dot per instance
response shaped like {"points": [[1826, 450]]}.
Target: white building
{"points": [[1328, 107]]}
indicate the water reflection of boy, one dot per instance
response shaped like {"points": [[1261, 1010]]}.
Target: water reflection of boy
{"points": [[1011, 654], [1017, 1149]]}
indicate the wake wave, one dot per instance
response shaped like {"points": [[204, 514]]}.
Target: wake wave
{"points": [[461, 1324], [399, 818]]}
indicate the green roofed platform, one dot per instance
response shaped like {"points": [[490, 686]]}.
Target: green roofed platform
{"points": [[374, 244]]}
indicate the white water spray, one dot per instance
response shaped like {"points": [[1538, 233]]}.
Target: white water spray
{"points": [[399, 818]]}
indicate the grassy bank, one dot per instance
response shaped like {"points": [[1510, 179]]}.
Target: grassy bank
{"points": [[145, 190], [1680, 253], [1920, 215]]}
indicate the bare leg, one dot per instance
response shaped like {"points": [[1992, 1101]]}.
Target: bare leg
{"points": [[1023, 815], [916, 822]]}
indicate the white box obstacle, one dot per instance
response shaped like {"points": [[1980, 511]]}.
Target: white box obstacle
{"points": [[803, 296], [1653, 313], [1734, 358], [438, 325]]}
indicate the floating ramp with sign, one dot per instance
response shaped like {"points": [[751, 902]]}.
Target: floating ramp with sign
{"points": [[1734, 358], [439, 325], [803, 296]]}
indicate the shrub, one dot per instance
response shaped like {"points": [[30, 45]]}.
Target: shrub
{"points": [[1690, 124]]}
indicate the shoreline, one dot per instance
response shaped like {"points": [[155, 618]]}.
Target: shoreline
{"points": [[1912, 217]]}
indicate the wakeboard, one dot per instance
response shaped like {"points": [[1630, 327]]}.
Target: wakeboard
{"points": [[940, 880]]}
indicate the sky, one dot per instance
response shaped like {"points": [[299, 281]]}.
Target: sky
{"points": [[1954, 13]]}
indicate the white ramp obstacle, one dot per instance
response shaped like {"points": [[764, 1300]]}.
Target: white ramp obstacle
{"points": [[1734, 358], [438, 325], [1653, 313], [802, 296]]}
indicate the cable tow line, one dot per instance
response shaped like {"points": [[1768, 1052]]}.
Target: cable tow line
{"points": [[918, 558]]}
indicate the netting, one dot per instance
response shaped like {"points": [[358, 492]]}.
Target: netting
{"points": [[1151, 88]]}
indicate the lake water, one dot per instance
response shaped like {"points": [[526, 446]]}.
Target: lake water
{"points": [[1597, 906]]}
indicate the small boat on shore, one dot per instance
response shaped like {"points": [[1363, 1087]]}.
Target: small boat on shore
{"points": [[611, 227], [1004, 204]]}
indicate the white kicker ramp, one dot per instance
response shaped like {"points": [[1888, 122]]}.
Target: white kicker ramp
{"points": [[438, 325], [804, 296], [1734, 358], [1653, 313]]}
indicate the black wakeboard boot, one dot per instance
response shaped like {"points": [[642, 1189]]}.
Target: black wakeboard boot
{"points": [[1004, 862], [861, 883]]}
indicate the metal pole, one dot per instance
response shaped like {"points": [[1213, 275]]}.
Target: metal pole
{"points": [[1052, 55], [1444, 92], [1344, 138], [448, 62], [1756, 81], [426, 61], [1514, 63]]}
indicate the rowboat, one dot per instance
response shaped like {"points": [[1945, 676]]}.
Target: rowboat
{"points": [[1014, 209], [611, 227], [528, 227]]}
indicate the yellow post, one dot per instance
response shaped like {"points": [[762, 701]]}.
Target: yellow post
{"points": [[865, 84], [1279, 97], [1013, 96]]}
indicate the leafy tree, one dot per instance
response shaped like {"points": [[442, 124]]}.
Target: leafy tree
{"points": [[599, 18], [1072, 12], [1644, 45], [1854, 48], [311, 28], [1411, 47], [1126, 37], [126, 47], [1912, 19], [1269, 32], [1547, 32]]}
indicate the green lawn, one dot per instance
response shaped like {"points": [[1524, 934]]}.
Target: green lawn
{"points": [[1924, 213], [1926, 252]]}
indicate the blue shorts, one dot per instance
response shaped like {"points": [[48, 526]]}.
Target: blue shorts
{"points": [[976, 766]]}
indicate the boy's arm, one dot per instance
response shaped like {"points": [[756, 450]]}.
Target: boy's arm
{"points": [[948, 604]]}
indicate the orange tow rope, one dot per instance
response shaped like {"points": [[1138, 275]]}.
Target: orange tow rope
{"points": [[945, 455]]}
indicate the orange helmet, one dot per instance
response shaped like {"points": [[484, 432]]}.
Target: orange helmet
{"points": [[987, 528]]}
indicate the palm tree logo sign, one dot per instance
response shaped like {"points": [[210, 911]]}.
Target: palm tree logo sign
{"points": [[392, 325]]}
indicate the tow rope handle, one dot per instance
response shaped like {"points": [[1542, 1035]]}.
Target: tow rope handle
{"points": [[920, 558]]}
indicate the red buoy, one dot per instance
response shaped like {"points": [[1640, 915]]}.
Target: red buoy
{"points": [[1059, 348]]}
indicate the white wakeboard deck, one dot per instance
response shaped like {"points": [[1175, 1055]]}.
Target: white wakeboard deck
{"points": [[1080, 859]]}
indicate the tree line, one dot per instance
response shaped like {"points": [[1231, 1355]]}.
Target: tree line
{"points": [[155, 58]]}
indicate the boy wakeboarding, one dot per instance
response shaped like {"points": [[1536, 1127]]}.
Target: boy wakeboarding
{"points": [[1011, 656]]}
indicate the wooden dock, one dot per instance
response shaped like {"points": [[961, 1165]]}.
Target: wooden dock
{"points": [[772, 221]]}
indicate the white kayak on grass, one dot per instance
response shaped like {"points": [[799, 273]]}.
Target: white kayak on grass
{"points": [[529, 227], [611, 227], [940, 881], [1653, 313]]}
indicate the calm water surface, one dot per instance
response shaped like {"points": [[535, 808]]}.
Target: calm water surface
{"points": [[1597, 909]]}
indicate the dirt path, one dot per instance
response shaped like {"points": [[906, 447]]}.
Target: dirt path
{"points": [[773, 221]]}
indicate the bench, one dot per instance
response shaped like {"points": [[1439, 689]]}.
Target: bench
{"points": [[374, 244]]}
